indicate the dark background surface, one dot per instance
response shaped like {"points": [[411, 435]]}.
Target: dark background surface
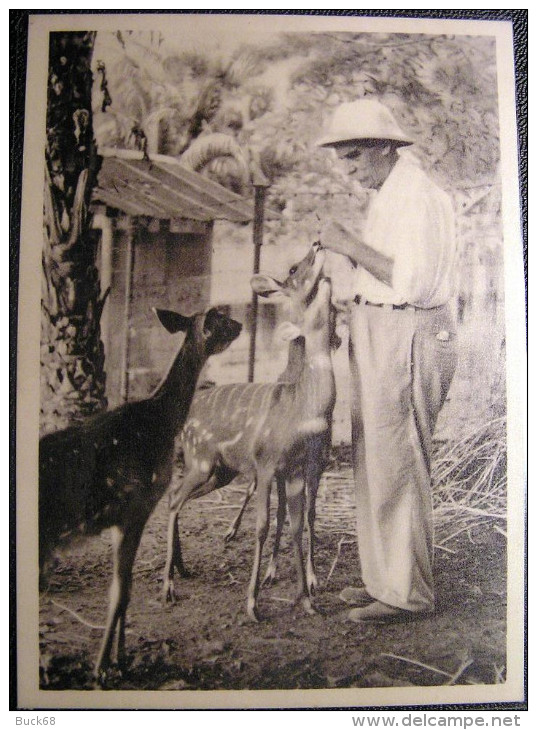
{"points": [[17, 72]]}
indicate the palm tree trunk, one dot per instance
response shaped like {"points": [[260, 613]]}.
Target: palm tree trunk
{"points": [[72, 354]]}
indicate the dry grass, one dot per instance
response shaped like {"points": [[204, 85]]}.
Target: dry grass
{"points": [[470, 481], [469, 487]]}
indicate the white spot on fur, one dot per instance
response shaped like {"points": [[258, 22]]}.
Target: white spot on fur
{"points": [[226, 444], [115, 442]]}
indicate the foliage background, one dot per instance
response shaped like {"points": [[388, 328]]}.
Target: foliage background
{"points": [[273, 94], [224, 105]]}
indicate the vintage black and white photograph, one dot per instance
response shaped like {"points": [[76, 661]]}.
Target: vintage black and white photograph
{"points": [[271, 365]]}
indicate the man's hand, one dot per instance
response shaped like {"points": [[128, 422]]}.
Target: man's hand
{"points": [[335, 237]]}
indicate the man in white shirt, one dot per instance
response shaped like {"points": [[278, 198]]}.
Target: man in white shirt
{"points": [[402, 356]]}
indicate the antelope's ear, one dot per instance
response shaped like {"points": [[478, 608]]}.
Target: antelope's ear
{"points": [[265, 286], [287, 331], [172, 321]]}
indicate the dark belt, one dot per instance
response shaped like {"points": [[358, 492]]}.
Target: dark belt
{"points": [[358, 299]]}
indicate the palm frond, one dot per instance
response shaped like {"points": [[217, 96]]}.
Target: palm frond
{"points": [[242, 68]]}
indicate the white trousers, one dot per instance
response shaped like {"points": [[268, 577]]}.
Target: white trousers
{"points": [[402, 363]]}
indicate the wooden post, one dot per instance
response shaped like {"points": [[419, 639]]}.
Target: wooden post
{"points": [[102, 222], [260, 186], [129, 268]]}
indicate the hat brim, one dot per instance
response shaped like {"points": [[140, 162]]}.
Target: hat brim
{"points": [[401, 141]]}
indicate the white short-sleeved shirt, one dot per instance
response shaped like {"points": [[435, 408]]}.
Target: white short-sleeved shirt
{"points": [[411, 221]]}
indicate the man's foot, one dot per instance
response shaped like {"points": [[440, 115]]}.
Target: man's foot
{"points": [[356, 596], [378, 611]]}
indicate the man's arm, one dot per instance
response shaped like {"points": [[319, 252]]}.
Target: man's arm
{"points": [[335, 237]]}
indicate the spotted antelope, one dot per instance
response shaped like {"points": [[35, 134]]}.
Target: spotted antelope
{"points": [[264, 430]]}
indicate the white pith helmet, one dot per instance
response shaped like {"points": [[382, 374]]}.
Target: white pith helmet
{"points": [[363, 119]]}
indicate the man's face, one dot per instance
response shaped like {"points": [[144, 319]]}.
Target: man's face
{"points": [[367, 164]]}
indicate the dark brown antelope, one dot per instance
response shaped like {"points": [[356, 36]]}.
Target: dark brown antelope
{"points": [[264, 430], [111, 471]]}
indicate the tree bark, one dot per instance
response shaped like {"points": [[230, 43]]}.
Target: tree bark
{"points": [[72, 354]]}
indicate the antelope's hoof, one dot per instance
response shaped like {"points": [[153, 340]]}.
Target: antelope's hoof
{"points": [[270, 576], [103, 675], [251, 610], [305, 602], [101, 678], [168, 593], [230, 534], [312, 584]]}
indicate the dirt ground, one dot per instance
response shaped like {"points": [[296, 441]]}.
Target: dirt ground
{"points": [[205, 640]]}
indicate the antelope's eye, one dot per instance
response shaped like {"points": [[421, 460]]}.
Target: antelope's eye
{"points": [[293, 270]]}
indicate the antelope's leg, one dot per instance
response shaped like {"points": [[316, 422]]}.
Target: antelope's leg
{"points": [[270, 575], [313, 473], [263, 485], [192, 481], [230, 534], [295, 503], [125, 541]]}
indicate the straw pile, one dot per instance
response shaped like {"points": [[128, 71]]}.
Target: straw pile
{"points": [[469, 487], [470, 482], [336, 510]]}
